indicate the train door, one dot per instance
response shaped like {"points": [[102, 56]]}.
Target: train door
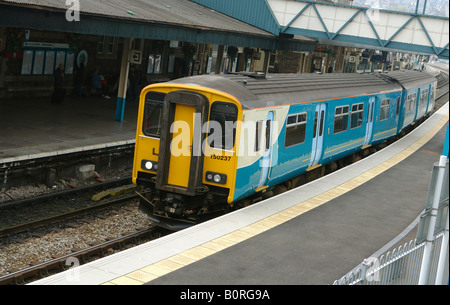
{"points": [[319, 126], [180, 147], [369, 125], [267, 156], [180, 162]]}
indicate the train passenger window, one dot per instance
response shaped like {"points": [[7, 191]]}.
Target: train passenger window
{"points": [[384, 109], [322, 114], [357, 115], [153, 114], [295, 129], [341, 119], [268, 128], [223, 116], [315, 125], [258, 135]]}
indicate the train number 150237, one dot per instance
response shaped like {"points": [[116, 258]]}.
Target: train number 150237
{"points": [[221, 158]]}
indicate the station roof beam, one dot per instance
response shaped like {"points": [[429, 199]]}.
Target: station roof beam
{"points": [[181, 20], [339, 24]]}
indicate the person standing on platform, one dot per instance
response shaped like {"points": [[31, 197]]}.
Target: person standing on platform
{"points": [[134, 78], [59, 91], [78, 80]]}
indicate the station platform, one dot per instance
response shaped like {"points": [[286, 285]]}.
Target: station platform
{"points": [[311, 235], [34, 128]]}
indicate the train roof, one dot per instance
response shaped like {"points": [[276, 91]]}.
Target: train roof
{"points": [[410, 79], [258, 91]]}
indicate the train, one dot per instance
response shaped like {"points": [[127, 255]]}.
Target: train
{"points": [[209, 144]]}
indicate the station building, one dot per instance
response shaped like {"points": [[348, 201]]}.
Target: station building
{"points": [[166, 40]]}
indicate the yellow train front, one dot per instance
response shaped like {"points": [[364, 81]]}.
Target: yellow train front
{"points": [[186, 163]]}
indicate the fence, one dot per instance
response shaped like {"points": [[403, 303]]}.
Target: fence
{"points": [[399, 267]]}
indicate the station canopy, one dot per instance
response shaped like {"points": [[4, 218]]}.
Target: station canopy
{"points": [[179, 20]]}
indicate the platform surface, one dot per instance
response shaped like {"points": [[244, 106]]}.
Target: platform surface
{"points": [[32, 128], [313, 234]]}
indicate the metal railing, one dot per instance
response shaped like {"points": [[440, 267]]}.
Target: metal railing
{"points": [[399, 267]]}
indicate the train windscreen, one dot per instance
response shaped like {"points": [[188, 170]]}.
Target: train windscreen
{"points": [[153, 110]]}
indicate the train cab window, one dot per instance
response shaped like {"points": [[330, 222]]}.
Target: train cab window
{"points": [[384, 109], [295, 129], [357, 115], [153, 114], [224, 117], [341, 119]]}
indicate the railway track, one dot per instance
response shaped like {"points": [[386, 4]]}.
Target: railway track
{"points": [[77, 258], [66, 199], [442, 87], [443, 81], [14, 169]]}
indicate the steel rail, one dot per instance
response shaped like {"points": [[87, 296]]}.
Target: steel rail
{"points": [[64, 193], [64, 262], [65, 216]]}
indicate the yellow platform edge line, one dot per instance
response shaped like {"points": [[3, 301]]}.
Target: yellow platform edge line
{"points": [[158, 269]]}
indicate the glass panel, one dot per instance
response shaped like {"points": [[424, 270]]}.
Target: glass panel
{"points": [[295, 135], [258, 135], [49, 62], [356, 119], [226, 115], [315, 125], [157, 64], [27, 62], [38, 65], [151, 63], [153, 114], [292, 119], [340, 119], [268, 128], [322, 114]]}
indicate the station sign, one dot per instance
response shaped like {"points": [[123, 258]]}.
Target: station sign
{"points": [[135, 57], [45, 45]]}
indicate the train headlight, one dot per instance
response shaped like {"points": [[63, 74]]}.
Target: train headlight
{"points": [[216, 177], [149, 165]]}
